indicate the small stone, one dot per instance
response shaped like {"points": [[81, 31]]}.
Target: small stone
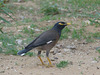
{"points": [[55, 58], [22, 17], [12, 68], [8, 68], [19, 30], [37, 29], [66, 50], [9, 44], [59, 53], [19, 41], [30, 8], [55, 51], [15, 70], [69, 37], [28, 27], [51, 73], [2, 71], [94, 62], [97, 67], [71, 63], [1, 65], [75, 40], [59, 46], [71, 47], [87, 22], [0, 43], [1, 21], [20, 73], [52, 59], [32, 28], [49, 20], [51, 51], [84, 42]]}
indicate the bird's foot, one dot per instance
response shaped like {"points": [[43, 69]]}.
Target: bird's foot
{"points": [[50, 65]]}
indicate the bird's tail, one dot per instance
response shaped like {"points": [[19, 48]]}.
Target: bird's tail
{"points": [[23, 51]]}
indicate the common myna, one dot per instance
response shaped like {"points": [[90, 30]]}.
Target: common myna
{"points": [[46, 41]]}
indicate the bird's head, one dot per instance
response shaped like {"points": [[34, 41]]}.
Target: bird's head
{"points": [[60, 25]]}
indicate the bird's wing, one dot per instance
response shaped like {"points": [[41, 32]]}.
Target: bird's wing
{"points": [[45, 38]]}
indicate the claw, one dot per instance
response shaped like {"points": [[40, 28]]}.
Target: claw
{"points": [[49, 66]]}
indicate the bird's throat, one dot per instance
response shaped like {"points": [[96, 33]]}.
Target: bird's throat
{"points": [[58, 30]]}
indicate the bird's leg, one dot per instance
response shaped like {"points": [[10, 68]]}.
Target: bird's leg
{"points": [[50, 64], [41, 60], [39, 52]]}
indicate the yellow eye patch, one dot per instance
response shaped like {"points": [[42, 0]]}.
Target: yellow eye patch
{"points": [[61, 24]]}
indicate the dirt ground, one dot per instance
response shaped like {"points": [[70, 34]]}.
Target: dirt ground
{"points": [[83, 58]]}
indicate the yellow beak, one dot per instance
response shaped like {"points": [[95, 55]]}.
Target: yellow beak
{"points": [[68, 23]]}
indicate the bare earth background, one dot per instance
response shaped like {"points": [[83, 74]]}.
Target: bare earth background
{"points": [[82, 61], [83, 57]]}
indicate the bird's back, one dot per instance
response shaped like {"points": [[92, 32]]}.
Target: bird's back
{"points": [[44, 39]]}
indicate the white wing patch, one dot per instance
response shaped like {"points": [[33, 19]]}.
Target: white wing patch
{"points": [[49, 42], [23, 54]]}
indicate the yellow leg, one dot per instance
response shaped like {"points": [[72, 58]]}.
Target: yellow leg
{"points": [[50, 64], [49, 60], [41, 60]]}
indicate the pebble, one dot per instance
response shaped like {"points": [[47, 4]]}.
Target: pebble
{"points": [[22, 17], [94, 62], [0, 43], [20, 73], [71, 47], [97, 67], [37, 29], [59, 46], [1, 21], [30, 8], [59, 53], [28, 27], [55, 58], [71, 63], [69, 37], [2, 71], [87, 22], [49, 20], [19, 30], [9, 44], [75, 40], [19, 41], [52, 59], [1, 65], [55, 51], [66, 50], [7, 68]]}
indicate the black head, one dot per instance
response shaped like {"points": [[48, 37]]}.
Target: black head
{"points": [[60, 25]]}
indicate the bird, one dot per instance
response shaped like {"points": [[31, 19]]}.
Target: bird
{"points": [[45, 41]]}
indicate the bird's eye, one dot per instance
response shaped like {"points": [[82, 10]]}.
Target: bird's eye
{"points": [[61, 24]]}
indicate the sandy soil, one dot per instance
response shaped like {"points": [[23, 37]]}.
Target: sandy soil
{"points": [[82, 61]]}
